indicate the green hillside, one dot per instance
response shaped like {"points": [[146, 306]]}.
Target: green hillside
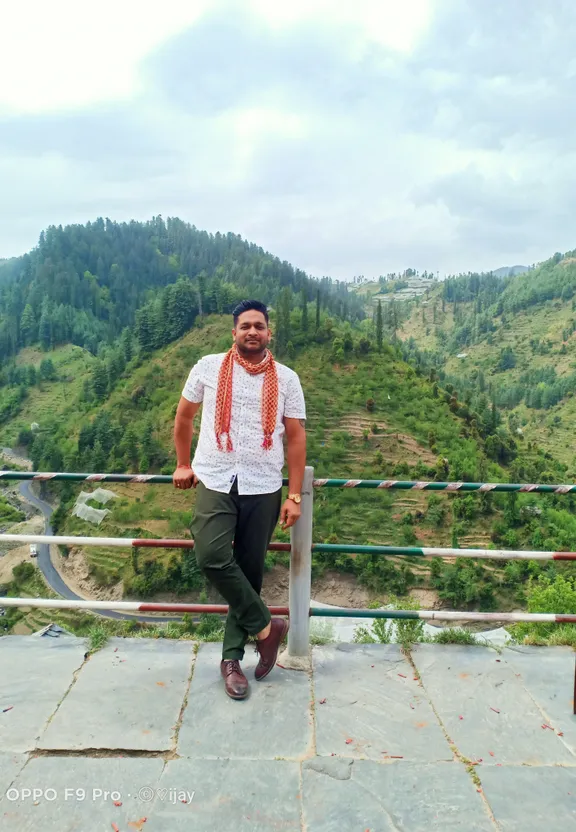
{"points": [[87, 284], [371, 415], [508, 342]]}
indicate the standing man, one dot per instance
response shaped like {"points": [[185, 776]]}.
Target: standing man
{"points": [[250, 402]]}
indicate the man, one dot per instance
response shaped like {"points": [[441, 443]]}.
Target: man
{"points": [[250, 402]]}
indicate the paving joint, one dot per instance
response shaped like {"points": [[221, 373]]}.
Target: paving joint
{"points": [[184, 705], [549, 720], [110, 753], [470, 768], [75, 675]]}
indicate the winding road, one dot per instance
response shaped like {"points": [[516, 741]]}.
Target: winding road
{"points": [[53, 577]]}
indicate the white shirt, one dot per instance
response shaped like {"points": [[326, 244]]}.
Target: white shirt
{"points": [[258, 471]]}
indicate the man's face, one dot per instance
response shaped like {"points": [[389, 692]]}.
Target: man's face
{"points": [[251, 334]]}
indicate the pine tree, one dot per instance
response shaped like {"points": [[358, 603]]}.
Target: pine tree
{"points": [[28, 325], [144, 329], [126, 345], [130, 446], [283, 320], [286, 300], [201, 292], [304, 312], [98, 459], [47, 369], [393, 320], [103, 432], [144, 464], [317, 310], [100, 380], [379, 326], [45, 330]]}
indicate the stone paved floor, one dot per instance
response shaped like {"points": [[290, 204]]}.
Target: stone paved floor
{"points": [[141, 736]]}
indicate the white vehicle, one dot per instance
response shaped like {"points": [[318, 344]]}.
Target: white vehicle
{"points": [[33, 551]]}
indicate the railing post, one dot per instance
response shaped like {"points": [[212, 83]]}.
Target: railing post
{"points": [[297, 655]]}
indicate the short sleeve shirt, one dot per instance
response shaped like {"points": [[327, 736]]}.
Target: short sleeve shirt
{"points": [[258, 471]]}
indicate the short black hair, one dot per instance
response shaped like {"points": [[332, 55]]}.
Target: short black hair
{"points": [[246, 306]]}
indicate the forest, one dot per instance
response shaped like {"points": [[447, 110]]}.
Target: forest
{"points": [[87, 284], [101, 324], [514, 336]]}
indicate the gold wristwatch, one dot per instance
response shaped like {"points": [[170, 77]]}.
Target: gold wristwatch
{"points": [[295, 497]]}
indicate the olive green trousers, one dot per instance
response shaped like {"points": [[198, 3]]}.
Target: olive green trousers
{"points": [[231, 535]]}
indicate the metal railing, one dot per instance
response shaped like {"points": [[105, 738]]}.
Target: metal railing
{"points": [[301, 549], [403, 485]]}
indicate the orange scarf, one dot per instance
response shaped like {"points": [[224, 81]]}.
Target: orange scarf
{"points": [[224, 396]]}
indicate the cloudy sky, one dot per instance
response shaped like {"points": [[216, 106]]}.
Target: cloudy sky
{"points": [[347, 136]]}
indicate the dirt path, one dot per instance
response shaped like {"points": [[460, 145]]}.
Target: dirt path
{"points": [[11, 458]]}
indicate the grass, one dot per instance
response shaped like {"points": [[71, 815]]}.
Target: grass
{"points": [[451, 635], [97, 637], [340, 442], [367, 517], [51, 400], [542, 322], [9, 514]]}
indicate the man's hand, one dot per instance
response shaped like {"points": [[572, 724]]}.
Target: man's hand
{"points": [[289, 514], [184, 477]]}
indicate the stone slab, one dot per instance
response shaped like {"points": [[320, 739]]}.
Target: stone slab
{"points": [[372, 699], [35, 674], [485, 707], [436, 797], [547, 673], [76, 795], [274, 721], [10, 766], [229, 796], [128, 696], [526, 799]]}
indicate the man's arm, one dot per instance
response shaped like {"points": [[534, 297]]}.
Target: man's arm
{"points": [[184, 477], [296, 453], [296, 458]]}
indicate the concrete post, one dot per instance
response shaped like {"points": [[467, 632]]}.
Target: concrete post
{"points": [[297, 656]]}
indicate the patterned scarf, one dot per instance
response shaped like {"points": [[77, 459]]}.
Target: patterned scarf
{"points": [[224, 396]]}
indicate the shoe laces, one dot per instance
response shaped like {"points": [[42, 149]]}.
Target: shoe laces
{"points": [[232, 666]]}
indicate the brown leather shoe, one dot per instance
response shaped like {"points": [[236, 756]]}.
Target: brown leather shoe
{"points": [[235, 683], [268, 647]]}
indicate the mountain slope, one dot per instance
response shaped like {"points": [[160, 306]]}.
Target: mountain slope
{"points": [[84, 283], [510, 343], [371, 415]]}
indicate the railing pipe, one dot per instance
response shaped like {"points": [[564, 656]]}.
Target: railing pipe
{"points": [[123, 606], [344, 548], [402, 485]]}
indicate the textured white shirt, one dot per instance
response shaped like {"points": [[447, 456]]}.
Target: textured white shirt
{"points": [[258, 471]]}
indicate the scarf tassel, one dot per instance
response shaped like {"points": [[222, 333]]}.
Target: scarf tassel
{"points": [[267, 444], [229, 447]]}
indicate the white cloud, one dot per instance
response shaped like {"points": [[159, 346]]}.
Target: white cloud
{"points": [[63, 54], [397, 25], [348, 136]]}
